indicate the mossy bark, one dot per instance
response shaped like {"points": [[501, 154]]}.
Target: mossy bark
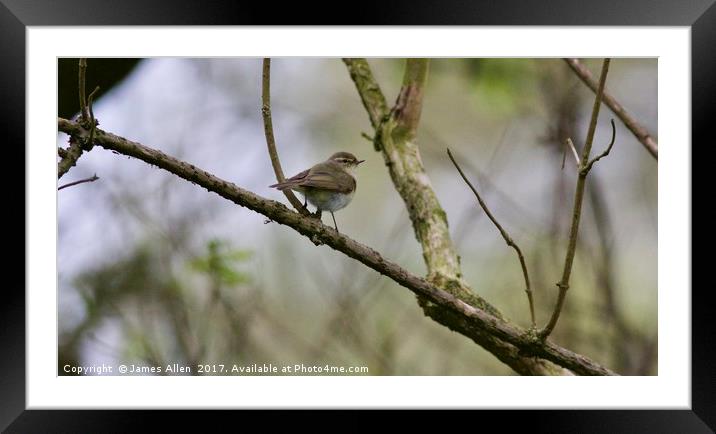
{"points": [[395, 137]]}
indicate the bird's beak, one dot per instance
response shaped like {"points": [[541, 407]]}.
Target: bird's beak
{"points": [[359, 161]]}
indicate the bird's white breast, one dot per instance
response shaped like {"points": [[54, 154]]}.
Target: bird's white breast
{"points": [[330, 201]]}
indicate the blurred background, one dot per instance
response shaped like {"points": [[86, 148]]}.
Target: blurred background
{"points": [[155, 270]]}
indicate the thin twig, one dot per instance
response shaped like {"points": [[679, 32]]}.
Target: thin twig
{"points": [[570, 144], [563, 284], [92, 120], [641, 133], [90, 98], [589, 165], [504, 234], [81, 79], [268, 132], [93, 178]]}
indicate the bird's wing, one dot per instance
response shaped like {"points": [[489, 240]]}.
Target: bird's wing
{"points": [[291, 182], [320, 177]]}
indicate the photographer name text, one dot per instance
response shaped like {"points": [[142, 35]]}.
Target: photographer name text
{"points": [[212, 369]]}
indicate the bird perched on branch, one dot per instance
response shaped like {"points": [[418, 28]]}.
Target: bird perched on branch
{"points": [[329, 185]]}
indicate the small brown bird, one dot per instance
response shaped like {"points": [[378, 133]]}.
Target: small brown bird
{"points": [[329, 185]]}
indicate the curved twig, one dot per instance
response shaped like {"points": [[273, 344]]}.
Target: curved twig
{"points": [[92, 120], [589, 165], [505, 236], [270, 140]]}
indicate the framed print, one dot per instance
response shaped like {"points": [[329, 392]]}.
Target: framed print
{"points": [[389, 215]]}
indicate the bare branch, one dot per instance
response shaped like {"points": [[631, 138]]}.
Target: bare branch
{"points": [[92, 120], [90, 98], [474, 322], [563, 284], [81, 80], [505, 235], [589, 165], [641, 133], [268, 132], [71, 155], [93, 178], [570, 144]]}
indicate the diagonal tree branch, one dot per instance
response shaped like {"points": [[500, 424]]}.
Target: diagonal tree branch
{"points": [[268, 132], [71, 155], [474, 322], [641, 133]]}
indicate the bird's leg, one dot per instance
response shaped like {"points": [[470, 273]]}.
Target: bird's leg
{"points": [[334, 221], [317, 214]]}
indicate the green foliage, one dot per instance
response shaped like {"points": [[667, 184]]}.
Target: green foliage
{"points": [[160, 311], [107, 284], [220, 263], [503, 86]]}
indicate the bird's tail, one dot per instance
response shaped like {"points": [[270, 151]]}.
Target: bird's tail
{"points": [[283, 185]]}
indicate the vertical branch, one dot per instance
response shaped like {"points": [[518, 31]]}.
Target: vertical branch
{"points": [[409, 104], [82, 71], [394, 136], [584, 168], [402, 156], [268, 132], [505, 236]]}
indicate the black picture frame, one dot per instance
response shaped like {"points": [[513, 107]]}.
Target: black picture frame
{"points": [[16, 15]]}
